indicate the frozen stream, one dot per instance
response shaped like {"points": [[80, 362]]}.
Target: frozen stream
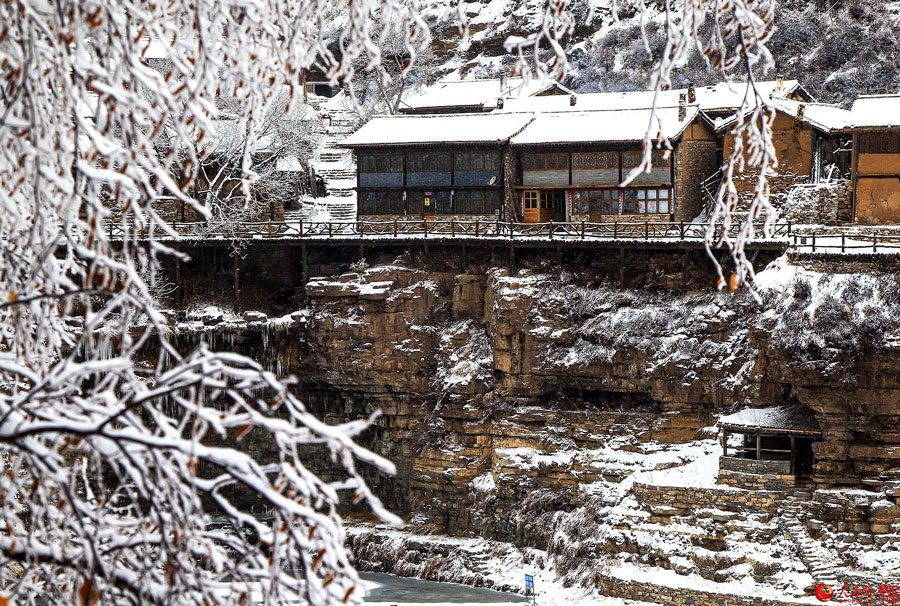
{"points": [[390, 589]]}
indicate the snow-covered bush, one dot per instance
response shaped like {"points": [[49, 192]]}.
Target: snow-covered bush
{"points": [[833, 321]]}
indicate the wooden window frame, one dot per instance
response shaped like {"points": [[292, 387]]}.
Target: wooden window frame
{"points": [[646, 199]]}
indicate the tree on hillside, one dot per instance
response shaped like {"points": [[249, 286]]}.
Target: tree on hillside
{"points": [[124, 479], [118, 449]]}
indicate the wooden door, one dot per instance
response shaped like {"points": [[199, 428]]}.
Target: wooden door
{"points": [[559, 206], [546, 203], [531, 210]]}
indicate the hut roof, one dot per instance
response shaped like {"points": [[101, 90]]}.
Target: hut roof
{"points": [[785, 418], [823, 116], [383, 131], [876, 111], [724, 96], [617, 126], [475, 95]]}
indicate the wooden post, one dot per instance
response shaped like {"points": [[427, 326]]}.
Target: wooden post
{"points": [[646, 230], [681, 229], [179, 289], [875, 243], [843, 243], [551, 228], [329, 229], [300, 228], [793, 457], [237, 282], [395, 227], [758, 449], [304, 265], [452, 228], [582, 229], [814, 242], [362, 252], [615, 230], [477, 234], [725, 443]]}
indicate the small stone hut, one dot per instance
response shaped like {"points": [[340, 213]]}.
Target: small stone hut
{"points": [[775, 450]]}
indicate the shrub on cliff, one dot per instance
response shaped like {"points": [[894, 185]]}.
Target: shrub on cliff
{"points": [[834, 321]]}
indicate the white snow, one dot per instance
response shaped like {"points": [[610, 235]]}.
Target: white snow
{"points": [[473, 93], [603, 126], [463, 128], [876, 111]]}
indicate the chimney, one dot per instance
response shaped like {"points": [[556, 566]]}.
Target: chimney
{"points": [[500, 103], [779, 83], [573, 100], [692, 94], [682, 107], [801, 111]]}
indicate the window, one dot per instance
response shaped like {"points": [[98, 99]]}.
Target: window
{"points": [[428, 162], [531, 200], [580, 201], [545, 162], [491, 202], [477, 168], [381, 203], [381, 170], [443, 203], [630, 160], [879, 143], [396, 202], [660, 160], [546, 200], [605, 201], [595, 160], [646, 201]]}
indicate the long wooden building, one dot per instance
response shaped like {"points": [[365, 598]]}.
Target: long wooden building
{"points": [[550, 158]]}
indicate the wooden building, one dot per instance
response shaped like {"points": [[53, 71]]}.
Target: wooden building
{"points": [[875, 122], [576, 166], [570, 158], [811, 145], [773, 450], [434, 166]]}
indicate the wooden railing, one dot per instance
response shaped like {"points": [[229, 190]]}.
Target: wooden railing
{"points": [[440, 229], [847, 243]]}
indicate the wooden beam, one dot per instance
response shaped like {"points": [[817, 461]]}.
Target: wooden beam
{"points": [[757, 446]]}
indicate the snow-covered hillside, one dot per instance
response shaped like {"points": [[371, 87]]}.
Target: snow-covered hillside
{"points": [[838, 52]]}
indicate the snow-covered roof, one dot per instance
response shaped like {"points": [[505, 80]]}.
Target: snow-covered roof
{"points": [[473, 94], [432, 129], [825, 117], [603, 126], [721, 97], [787, 418], [876, 111]]}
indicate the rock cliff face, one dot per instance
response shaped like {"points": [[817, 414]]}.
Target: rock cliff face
{"points": [[508, 395]]}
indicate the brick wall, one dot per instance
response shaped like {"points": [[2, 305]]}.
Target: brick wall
{"points": [[695, 161]]}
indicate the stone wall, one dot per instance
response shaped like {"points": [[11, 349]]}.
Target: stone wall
{"points": [[695, 161], [680, 500], [820, 203], [751, 474], [642, 591]]}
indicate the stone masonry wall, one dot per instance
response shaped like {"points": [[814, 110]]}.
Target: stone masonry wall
{"points": [[695, 161], [651, 593], [821, 203], [680, 500], [751, 474]]}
